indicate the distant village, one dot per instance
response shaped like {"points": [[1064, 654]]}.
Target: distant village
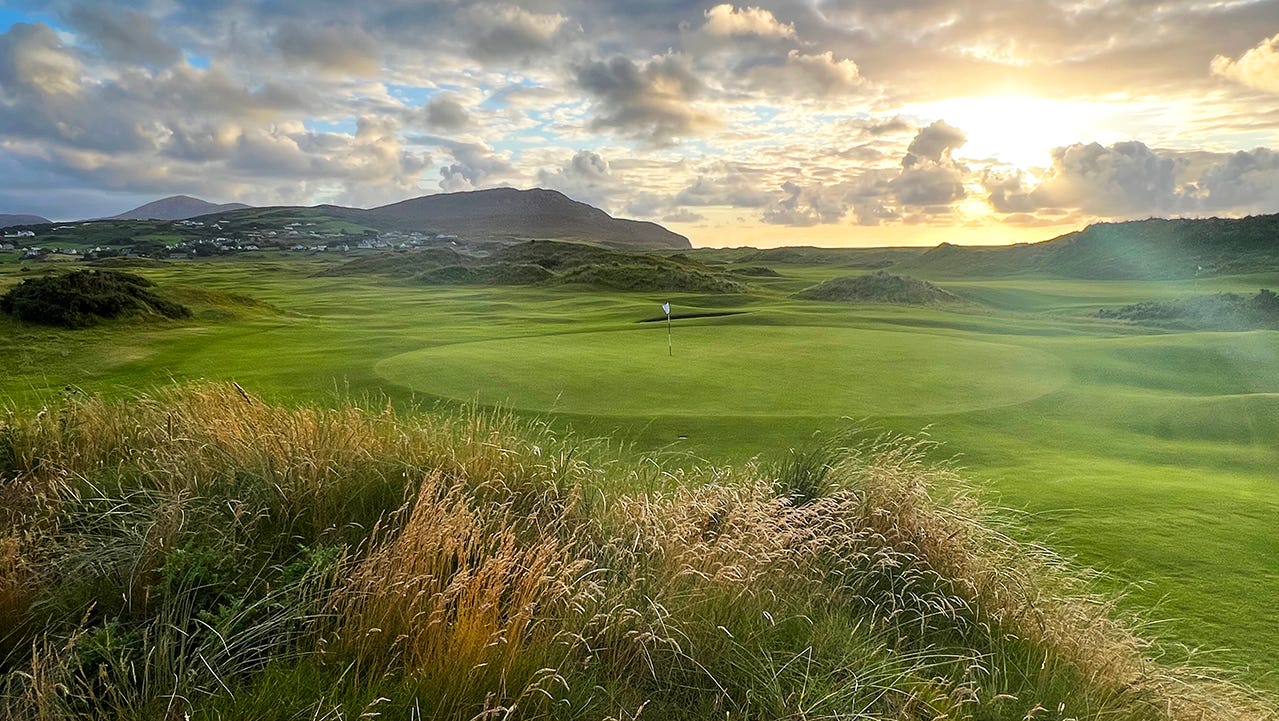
{"points": [[296, 237]]}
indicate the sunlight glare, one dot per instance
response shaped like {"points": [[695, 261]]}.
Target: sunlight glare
{"points": [[1022, 130]]}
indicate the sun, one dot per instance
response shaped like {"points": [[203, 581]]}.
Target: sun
{"points": [[1022, 130]]}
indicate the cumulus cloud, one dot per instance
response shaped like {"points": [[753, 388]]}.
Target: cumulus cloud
{"points": [[1243, 181], [929, 175], [1123, 179], [727, 21], [933, 144], [586, 177], [1258, 68], [475, 165], [817, 75], [446, 113], [652, 103]]}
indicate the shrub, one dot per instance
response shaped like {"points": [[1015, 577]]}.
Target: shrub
{"points": [[85, 297]]}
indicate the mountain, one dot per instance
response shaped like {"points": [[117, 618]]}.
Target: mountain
{"points": [[177, 207], [1152, 249], [522, 214], [8, 221]]}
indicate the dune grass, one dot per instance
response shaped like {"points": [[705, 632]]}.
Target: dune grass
{"points": [[200, 552]]}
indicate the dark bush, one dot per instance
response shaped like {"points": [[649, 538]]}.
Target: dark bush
{"points": [[85, 297]]}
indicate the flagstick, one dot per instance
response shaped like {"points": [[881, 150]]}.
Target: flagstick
{"points": [[670, 350]]}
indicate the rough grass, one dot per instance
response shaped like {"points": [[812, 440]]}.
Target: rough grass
{"points": [[198, 551], [879, 287]]}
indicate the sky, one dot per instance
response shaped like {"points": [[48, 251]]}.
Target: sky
{"points": [[818, 122]]}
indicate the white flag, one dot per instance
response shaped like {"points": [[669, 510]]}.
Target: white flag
{"points": [[666, 307]]}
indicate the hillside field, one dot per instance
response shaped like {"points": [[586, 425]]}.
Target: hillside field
{"points": [[1146, 453]]}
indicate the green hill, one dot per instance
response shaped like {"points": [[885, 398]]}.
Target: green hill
{"points": [[1138, 250], [201, 553]]}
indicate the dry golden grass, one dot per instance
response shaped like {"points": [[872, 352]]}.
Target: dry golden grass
{"points": [[185, 546]]}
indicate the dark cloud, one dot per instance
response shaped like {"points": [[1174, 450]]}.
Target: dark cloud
{"points": [[653, 103], [446, 113]]}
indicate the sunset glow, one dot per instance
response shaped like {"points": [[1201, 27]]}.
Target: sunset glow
{"points": [[832, 122]]}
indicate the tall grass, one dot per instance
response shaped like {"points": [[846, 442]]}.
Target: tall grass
{"points": [[199, 552]]}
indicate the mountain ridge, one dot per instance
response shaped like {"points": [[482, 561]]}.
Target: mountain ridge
{"points": [[177, 207], [8, 220], [531, 213]]}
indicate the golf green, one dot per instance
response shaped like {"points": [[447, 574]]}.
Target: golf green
{"points": [[733, 370]]}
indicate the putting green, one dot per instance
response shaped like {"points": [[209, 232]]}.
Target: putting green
{"points": [[733, 371]]}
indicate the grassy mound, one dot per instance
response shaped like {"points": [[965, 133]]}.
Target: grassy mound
{"points": [[202, 552], [879, 287], [654, 275], [1222, 311], [85, 297], [757, 271], [488, 274]]}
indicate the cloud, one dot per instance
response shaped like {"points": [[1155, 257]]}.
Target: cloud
{"points": [[1121, 180], [737, 187], [586, 177], [683, 215], [508, 32], [122, 34], [446, 113], [727, 21], [805, 206], [475, 165], [335, 50], [1258, 68], [817, 75], [929, 175], [34, 63], [652, 103], [933, 144], [1243, 181]]}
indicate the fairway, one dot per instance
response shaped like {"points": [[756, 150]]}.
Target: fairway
{"points": [[738, 370]]}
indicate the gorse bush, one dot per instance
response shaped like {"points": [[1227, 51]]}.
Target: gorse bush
{"points": [[200, 552], [85, 297], [1222, 311]]}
